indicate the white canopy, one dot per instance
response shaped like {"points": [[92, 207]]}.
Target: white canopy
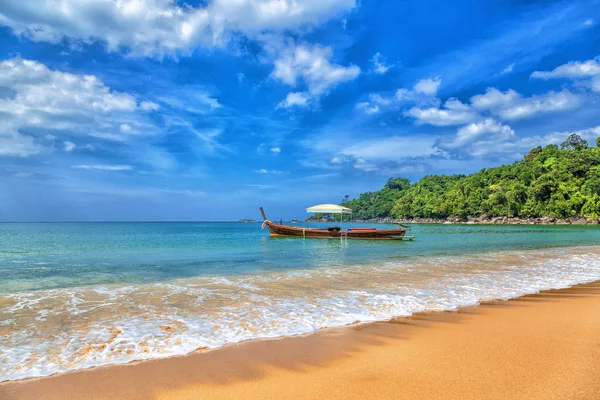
{"points": [[329, 209]]}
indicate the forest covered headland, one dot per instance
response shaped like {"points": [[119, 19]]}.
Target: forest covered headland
{"points": [[553, 184]]}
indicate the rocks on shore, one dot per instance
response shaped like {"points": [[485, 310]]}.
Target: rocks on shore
{"points": [[486, 219]]}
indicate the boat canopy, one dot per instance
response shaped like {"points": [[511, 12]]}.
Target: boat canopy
{"points": [[329, 209]]}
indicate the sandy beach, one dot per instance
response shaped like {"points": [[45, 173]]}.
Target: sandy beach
{"points": [[544, 346]]}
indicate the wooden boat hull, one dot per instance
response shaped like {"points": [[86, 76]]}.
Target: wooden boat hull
{"points": [[287, 230]]}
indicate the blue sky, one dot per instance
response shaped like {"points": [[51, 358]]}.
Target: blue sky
{"points": [[205, 110]]}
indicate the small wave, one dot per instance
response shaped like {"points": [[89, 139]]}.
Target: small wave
{"points": [[59, 330]]}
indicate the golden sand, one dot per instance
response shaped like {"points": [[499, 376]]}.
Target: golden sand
{"points": [[545, 346]]}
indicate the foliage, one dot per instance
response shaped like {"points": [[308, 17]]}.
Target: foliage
{"points": [[549, 181]]}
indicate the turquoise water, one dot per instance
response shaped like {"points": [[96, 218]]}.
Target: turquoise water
{"points": [[78, 295], [53, 255]]}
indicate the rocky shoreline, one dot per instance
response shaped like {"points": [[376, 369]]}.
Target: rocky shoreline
{"points": [[485, 219]]}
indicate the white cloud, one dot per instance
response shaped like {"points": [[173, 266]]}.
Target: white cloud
{"points": [[508, 69], [427, 86], [312, 65], [149, 106], [479, 139], [491, 138], [275, 150], [105, 167], [572, 70], [12, 143], [43, 99], [158, 27], [586, 73], [294, 99], [494, 98], [379, 66], [378, 99], [453, 113], [510, 105], [367, 107], [125, 128], [589, 22], [423, 93], [589, 134], [69, 146], [541, 104]]}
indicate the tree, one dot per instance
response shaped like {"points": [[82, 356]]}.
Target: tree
{"points": [[397, 184], [533, 154], [574, 142], [598, 142], [548, 182]]}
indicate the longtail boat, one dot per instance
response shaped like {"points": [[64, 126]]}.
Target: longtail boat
{"points": [[280, 229]]}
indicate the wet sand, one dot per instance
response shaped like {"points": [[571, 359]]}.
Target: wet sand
{"points": [[544, 346]]}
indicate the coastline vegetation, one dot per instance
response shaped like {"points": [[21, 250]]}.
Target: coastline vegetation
{"points": [[552, 181]]}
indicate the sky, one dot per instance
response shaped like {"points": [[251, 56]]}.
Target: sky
{"points": [[165, 110]]}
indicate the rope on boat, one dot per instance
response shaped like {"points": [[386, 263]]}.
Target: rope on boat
{"points": [[264, 224]]}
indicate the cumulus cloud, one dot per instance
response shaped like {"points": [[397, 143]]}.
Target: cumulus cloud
{"points": [[453, 112], [158, 27], [312, 65], [494, 98], [510, 105], [423, 93], [42, 99], [427, 86], [586, 73], [295, 99], [479, 139], [275, 150], [573, 69], [379, 66], [490, 138]]}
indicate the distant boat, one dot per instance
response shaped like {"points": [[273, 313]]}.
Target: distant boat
{"points": [[247, 220], [333, 231]]}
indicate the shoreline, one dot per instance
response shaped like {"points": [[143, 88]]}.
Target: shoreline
{"points": [[482, 220], [261, 363], [381, 310]]}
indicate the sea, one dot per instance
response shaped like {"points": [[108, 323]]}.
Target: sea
{"points": [[81, 295]]}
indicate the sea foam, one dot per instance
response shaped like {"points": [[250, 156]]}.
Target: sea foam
{"points": [[52, 331]]}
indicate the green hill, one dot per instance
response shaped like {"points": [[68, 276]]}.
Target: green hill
{"points": [[551, 181]]}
